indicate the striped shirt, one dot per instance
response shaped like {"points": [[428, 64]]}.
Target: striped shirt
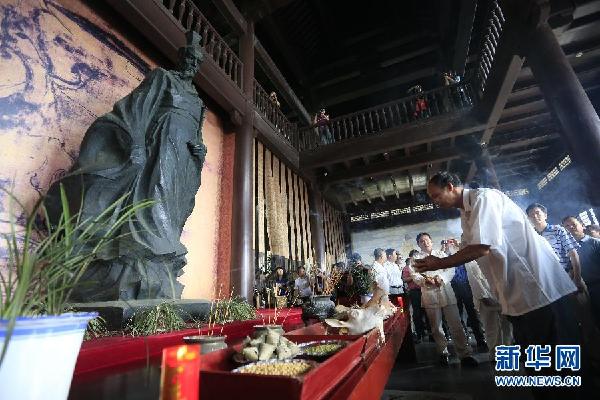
{"points": [[562, 243]]}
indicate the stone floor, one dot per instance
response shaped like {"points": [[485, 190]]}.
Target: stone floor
{"points": [[427, 380]]}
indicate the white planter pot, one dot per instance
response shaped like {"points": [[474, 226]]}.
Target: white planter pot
{"points": [[41, 356]]}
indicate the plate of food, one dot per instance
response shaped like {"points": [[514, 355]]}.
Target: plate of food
{"points": [[267, 346], [321, 348], [292, 368]]}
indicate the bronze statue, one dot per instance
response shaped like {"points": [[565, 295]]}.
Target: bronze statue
{"points": [[150, 146]]}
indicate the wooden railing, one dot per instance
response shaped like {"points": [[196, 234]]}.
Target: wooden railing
{"points": [[190, 17], [491, 39], [371, 121], [273, 114]]}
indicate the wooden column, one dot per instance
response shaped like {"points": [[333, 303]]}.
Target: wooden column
{"points": [[316, 225], [566, 98], [242, 261]]}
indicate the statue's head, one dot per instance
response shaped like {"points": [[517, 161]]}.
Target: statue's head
{"points": [[190, 55]]}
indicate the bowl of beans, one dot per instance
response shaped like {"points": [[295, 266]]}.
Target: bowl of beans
{"points": [[277, 367]]}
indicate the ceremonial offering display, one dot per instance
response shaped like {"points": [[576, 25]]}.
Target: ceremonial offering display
{"points": [[267, 345], [275, 367]]}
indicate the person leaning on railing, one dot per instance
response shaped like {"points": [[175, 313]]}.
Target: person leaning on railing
{"points": [[321, 121]]}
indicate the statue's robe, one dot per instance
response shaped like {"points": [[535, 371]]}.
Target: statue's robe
{"points": [[141, 147]]}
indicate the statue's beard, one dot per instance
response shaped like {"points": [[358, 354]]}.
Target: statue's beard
{"points": [[188, 74]]}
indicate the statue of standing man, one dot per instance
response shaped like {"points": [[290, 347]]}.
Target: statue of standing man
{"points": [[149, 146]]}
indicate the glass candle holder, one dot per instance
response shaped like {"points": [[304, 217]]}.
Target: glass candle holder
{"points": [[180, 373]]}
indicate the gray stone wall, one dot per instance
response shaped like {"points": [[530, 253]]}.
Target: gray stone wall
{"points": [[402, 238]]}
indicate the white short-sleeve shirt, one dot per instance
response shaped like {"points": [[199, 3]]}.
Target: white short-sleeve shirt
{"points": [[521, 268], [381, 277], [433, 296], [394, 276]]}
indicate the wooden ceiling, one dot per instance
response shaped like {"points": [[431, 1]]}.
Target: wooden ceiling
{"points": [[348, 55], [345, 56]]}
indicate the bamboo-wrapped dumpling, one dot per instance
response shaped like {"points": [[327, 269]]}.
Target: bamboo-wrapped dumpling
{"points": [[283, 352], [250, 353], [265, 351], [294, 349], [272, 338]]}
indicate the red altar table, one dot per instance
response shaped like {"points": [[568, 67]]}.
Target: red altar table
{"points": [[110, 352], [359, 371]]}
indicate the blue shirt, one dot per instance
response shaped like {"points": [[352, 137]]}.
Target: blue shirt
{"points": [[460, 275], [562, 243]]}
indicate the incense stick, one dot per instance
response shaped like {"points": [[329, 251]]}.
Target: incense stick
{"points": [[216, 311], [227, 312]]}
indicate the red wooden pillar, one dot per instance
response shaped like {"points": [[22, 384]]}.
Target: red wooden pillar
{"points": [[242, 261]]}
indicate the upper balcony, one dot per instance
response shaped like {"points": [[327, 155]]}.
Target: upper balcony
{"points": [[373, 133]]}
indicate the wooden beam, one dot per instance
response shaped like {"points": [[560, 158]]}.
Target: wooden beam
{"points": [[278, 38], [277, 78], [349, 195], [365, 194], [399, 164], [463, 38], [457, 124], [506, 156], [411, 184], [395, 186], [344, 91], [526, 142], [505, 71], [278, 145], [232, 15], [381, 194]]}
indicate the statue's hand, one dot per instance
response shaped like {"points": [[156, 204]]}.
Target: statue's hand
{"points": [[138, 155], [197, 150]]}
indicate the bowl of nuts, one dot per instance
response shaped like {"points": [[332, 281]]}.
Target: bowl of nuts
{"points": [[292, 368]]}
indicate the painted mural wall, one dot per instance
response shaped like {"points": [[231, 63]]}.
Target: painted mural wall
{"points": [[61, 66], [403, 238]]}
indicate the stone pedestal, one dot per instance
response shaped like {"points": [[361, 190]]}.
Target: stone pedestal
{"points": [[117, 313]]}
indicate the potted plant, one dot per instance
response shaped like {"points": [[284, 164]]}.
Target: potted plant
{"points": [[39, 342], [362, 282]]}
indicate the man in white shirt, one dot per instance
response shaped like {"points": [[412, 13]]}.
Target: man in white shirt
{"points": [[379, 272], [523, 272], [394, 275], [437, 298], [497, 328]]}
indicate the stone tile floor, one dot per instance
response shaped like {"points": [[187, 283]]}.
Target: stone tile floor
{"points": [[427, 380]]}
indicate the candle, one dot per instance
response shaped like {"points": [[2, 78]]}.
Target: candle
{"points": [[180, 374]]}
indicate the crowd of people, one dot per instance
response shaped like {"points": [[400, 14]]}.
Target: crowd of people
{"points": [[541, 276], [512, 278]]}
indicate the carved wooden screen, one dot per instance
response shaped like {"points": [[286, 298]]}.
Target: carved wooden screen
{"points": [[281, 212]]}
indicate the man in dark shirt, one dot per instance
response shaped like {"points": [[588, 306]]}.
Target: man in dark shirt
{"points": [[589, 257]]}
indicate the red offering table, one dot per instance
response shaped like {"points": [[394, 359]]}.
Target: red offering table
{"points": [[109, 352], [359, 371]]}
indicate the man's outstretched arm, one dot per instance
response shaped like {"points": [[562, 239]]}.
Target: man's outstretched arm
{"points": [[469, 253]]}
